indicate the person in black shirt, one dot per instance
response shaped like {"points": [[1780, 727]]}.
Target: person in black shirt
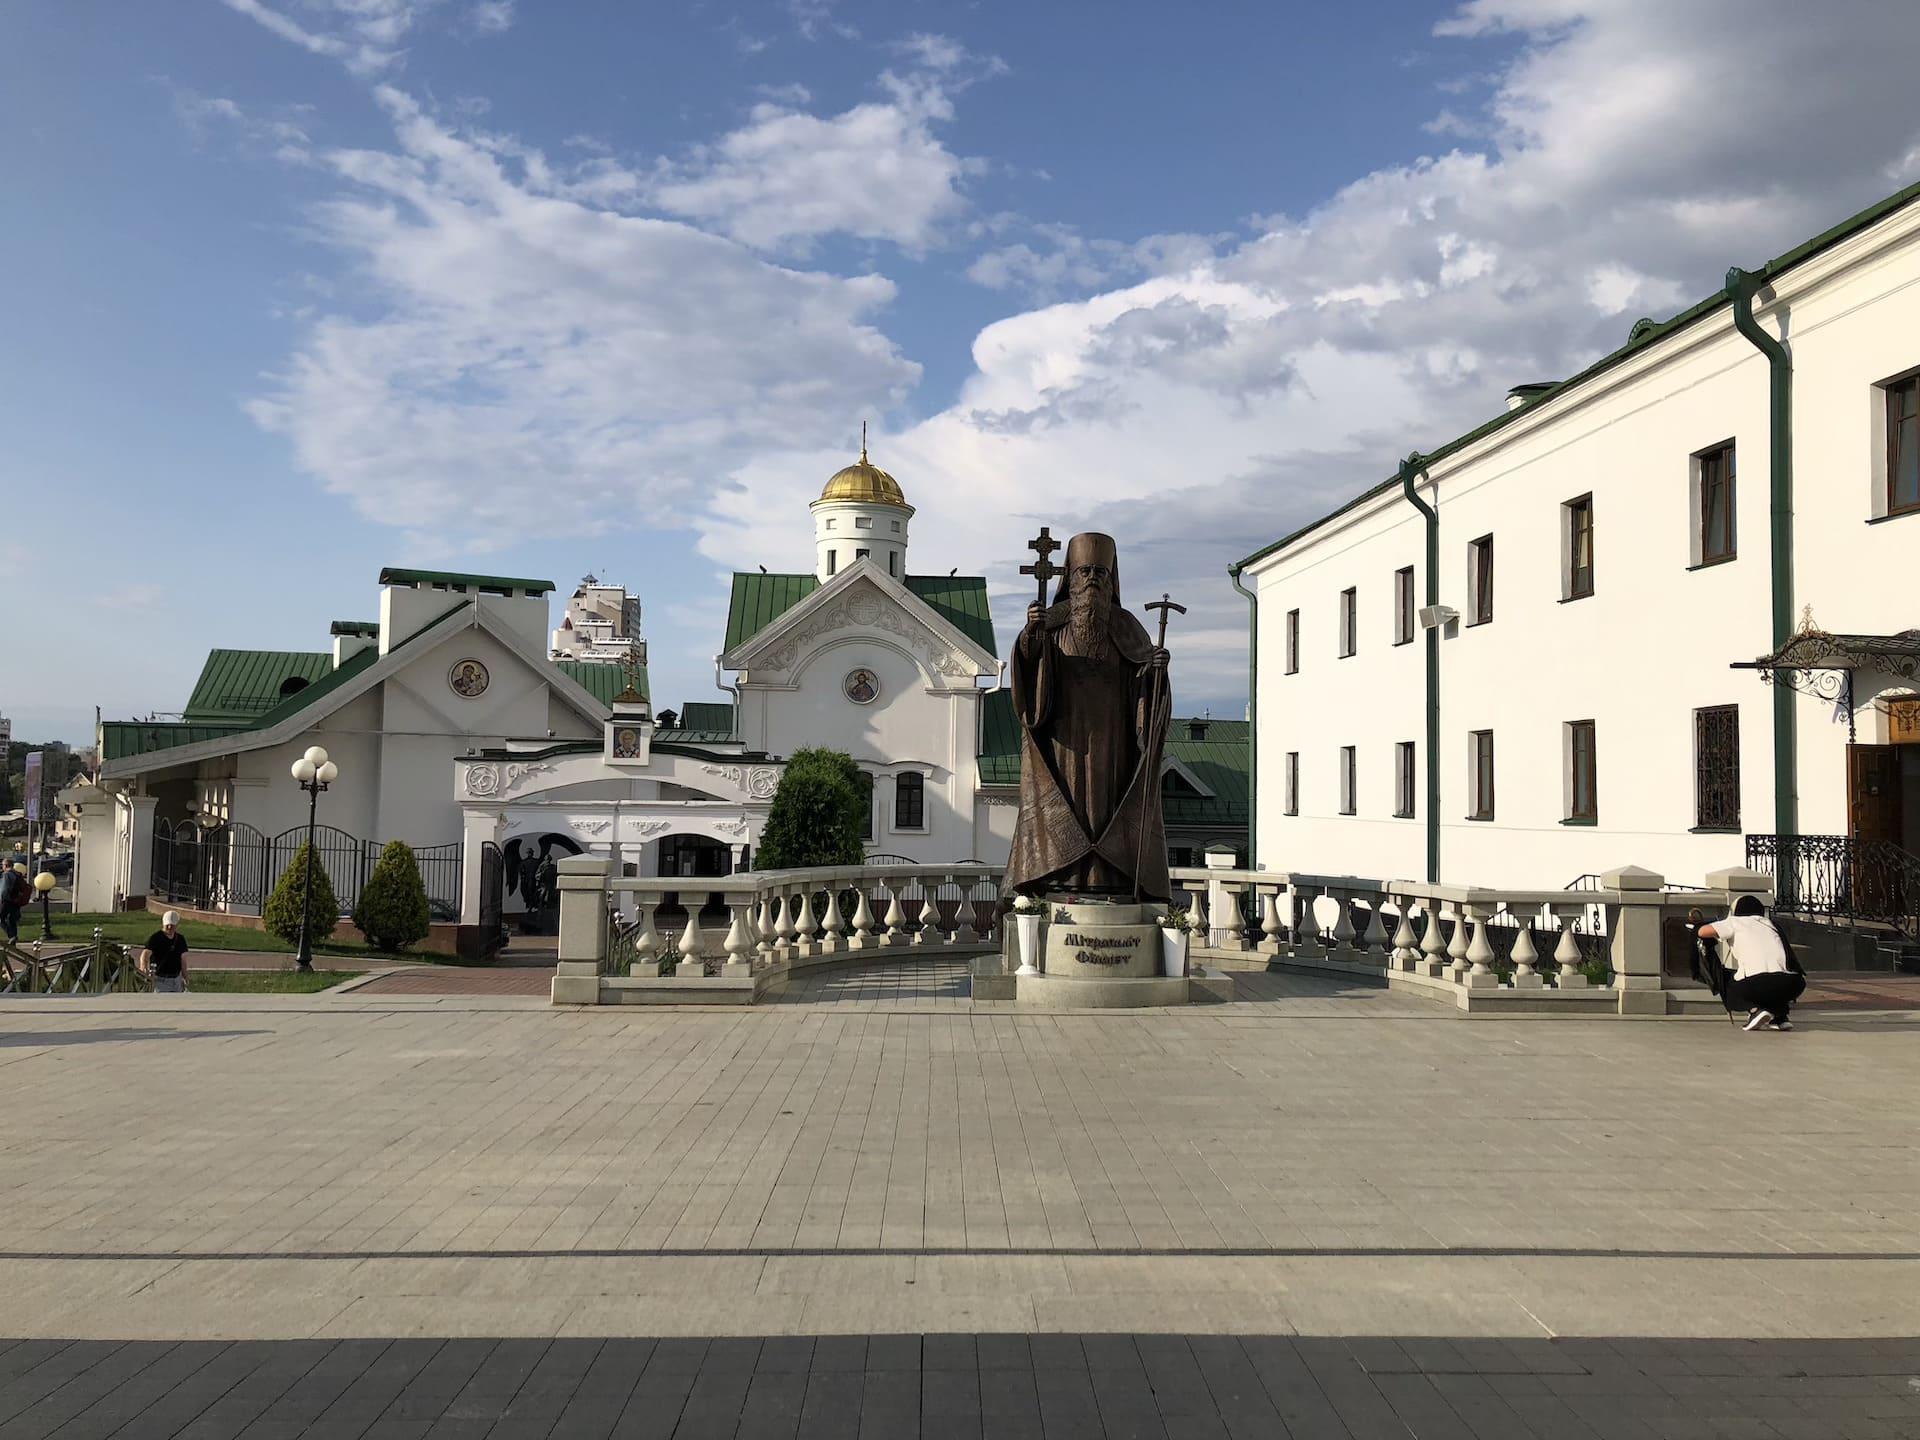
{"points": [[14, 889], [167, 956]]}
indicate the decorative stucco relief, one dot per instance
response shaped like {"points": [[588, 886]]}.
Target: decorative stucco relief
{"points": [[866, 609], [483, 780]]}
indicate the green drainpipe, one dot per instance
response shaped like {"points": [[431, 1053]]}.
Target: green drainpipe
{"points": [[1741, 285], [1253, 718], [1410, 467]]}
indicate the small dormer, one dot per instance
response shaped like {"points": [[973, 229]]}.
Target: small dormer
{"points": [[350, 637]]}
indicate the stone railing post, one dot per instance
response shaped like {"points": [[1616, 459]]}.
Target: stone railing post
{"points": [[863, 921], [739, 941], [1433, 943], [895, 918], [1636, 939], [693, 941], [965, 931], [1525, 977], [1269, 918], [930, 931], [583, 930], [1479, 957], [1405, 954], [1566, 955], [805, 928], [1306, 924]]}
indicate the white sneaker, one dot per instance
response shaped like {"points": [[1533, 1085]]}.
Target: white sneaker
{"points": [[1759, 1020], [1783, 1024]]}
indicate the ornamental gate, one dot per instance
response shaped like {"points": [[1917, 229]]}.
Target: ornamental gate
{"points": [[234, 867]]}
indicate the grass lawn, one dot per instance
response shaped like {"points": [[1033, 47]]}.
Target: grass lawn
{"points": [[132, 927], [263, 982]]}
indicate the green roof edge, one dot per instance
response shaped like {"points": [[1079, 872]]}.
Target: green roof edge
{"points": [[367, 629], [397, 575], [1642, 335]]}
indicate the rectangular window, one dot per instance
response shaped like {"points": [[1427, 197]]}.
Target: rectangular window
{"points": [[910, 801], [893, 563], [1578, 577], [1403, 806], [1293, 642], [1349, 604], [1480, 776], [1348, 784], [1293, 782], [1480, 581], [1715, 470], [866, 782], [1583, 803], [833, 562], [1403, 613], [1716, 768], [861, 554], [863, 522], [1903, 445]]}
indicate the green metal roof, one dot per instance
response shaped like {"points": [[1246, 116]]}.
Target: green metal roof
{"points": [[360, 629], [1643, 334], [1220, 762], [120, 739], [759, 599], [393, 575], [707, 715], [294, 704], [999, 739], [599, 678], [236, 685]]}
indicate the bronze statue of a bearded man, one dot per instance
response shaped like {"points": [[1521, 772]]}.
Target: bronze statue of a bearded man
{"points": [[1091, 691]]}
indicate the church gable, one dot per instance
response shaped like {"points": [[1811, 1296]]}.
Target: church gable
{"points": [[760, 599], [861, 600]]}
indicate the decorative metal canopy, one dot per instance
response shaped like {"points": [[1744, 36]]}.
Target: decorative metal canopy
{"points": [[1819, 663]]}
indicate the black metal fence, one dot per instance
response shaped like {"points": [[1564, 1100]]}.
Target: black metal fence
{"points": [[1840, 877], [234, 867]]}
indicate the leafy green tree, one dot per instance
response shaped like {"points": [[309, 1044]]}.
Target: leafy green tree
{"points": [[819, 813], [282, 912], [392, 912]]}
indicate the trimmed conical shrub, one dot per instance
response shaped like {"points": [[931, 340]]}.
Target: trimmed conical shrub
{"points": [[392, 912], [818, 814], [282, 912]]}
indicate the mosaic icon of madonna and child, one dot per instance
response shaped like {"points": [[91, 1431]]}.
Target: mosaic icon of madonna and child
{"points": [[469, 679]]}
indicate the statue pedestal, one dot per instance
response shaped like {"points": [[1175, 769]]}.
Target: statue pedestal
{"points": [[1100, 955]]}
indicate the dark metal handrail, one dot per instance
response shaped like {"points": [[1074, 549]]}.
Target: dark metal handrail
{"points": [[1842, 877]]}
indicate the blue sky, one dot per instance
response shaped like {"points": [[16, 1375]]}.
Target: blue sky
{"points": [[296, 288]]}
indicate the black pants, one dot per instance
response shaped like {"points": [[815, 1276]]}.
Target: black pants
{"points": [[1773, 992], [10, 921]]}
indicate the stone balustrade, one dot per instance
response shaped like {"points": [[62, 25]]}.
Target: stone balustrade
{"points": [[733, 937], [1615, 949]]}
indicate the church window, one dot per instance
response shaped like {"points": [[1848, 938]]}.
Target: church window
{"points": [[1293, 642], [1403, 780], [861, 554], [1716, 768], [1349, 628], [1480, 581], [893, 563], [910, 801], [832, 524], [1903, 446], [1577, 577], [1293, 782], [1349, 781], [863, 522], [1713, 481], [1583, 802], [896, 527], [1403, 606], [833, 561], [866, 827], [1480, 774]]}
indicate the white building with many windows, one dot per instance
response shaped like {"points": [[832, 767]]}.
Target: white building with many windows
{"points": [[1516, 661]]}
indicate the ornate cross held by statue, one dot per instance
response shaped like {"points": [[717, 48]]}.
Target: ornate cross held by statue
{"points": [[1042, 569], [1164, 605]]}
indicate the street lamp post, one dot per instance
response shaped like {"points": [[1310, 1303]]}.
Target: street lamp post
{"points": [[315, 772], [43, 882]]}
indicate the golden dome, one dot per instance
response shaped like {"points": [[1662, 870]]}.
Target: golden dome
{"points": [[863, 480]]}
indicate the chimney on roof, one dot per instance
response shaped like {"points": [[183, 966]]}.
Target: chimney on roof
{"points": [[1520, 394]]}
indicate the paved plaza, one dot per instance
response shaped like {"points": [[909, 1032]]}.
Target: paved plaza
{"points": [[1340, 1183]]}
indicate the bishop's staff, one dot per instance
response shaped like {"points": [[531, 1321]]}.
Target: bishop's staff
{"points": [[1164, 605]]}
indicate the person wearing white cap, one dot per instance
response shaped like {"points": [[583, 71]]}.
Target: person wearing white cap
{"points": [[167, 956]]}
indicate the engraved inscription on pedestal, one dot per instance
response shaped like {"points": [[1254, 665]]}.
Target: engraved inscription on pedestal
{"points": [[1103, 952]]}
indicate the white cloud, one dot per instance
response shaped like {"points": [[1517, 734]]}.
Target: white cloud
{"points": [[365, 35], [530, 364], [787, 177]]}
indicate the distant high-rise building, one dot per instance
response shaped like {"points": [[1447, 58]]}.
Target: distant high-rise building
{"points": [[602, 623]]}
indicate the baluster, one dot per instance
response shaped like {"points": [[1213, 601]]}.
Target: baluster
{"points": [[693, 962], [931, 931], [1406, 955], [1202, 936], [1343, 940], [766, 926], [783, 922], [1269, 919], [646, 945], [862, 921], [1306, 930], [1567, 953], [738, 944], [1525, 977], [805, 928], [1457, 945], [965, 932], [834, 928], [1480, 952], [1433, 945], [896, 918]]}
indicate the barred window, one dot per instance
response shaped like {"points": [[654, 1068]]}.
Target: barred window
{"points": [[1716, 767], [910, 801]]}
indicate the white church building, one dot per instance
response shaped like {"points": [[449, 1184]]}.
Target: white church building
{"points": [[1652, 614]]}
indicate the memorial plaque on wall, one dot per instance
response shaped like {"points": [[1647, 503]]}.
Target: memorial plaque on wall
{"points": [[1903, 722]]}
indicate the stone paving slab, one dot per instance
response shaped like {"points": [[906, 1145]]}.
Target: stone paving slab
{"points": [[940, 1386]]}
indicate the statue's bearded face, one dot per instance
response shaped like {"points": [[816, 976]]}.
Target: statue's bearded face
{"points": [[1090, 603]]}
